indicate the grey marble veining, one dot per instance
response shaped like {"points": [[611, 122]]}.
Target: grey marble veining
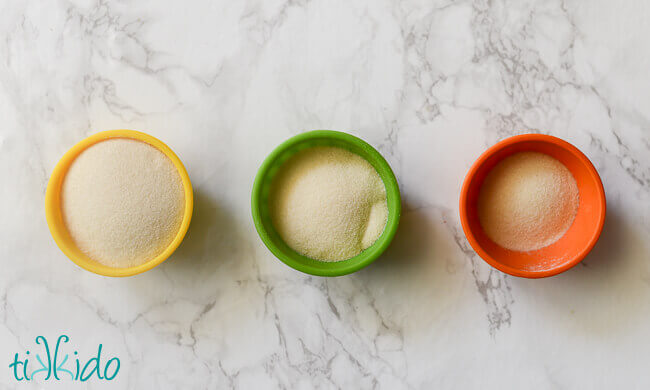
{"points": [[431, 84]]}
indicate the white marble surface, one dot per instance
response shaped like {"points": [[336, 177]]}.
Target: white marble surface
{"points": [[431, 84]]}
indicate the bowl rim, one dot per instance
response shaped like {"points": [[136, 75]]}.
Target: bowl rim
{"points": [[506, 143], [366, 257], [52, 203]]}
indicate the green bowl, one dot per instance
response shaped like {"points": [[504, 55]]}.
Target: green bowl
{"points": [[261, 213]]}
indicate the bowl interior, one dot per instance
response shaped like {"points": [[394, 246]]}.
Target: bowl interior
{"points": [[262, 215], [55, 218], [577, 241]]}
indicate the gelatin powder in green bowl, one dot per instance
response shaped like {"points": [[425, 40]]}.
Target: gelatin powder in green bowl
{"points": [[328, 203]]}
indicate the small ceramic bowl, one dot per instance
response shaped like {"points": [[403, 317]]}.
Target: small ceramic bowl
{"points": [[261, 213], [55, 219], [576, 242]]}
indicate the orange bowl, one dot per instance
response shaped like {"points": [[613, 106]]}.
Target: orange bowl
{"points": [[576, 242]]}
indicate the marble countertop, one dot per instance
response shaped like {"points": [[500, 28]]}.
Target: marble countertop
{"points": [[431, 84]]}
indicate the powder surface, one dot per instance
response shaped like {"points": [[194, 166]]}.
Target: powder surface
{"points": [[527, 201], [122, 202], [328, 204]]}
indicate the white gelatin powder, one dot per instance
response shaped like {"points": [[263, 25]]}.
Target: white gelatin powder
{"points": [[328, 204], [527, 201], [122, 202]]}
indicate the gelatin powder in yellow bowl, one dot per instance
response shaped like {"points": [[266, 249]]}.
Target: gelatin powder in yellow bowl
{"points": [[122, 202]]}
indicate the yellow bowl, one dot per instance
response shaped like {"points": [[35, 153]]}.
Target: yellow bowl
{"points": [[55, 219]]}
